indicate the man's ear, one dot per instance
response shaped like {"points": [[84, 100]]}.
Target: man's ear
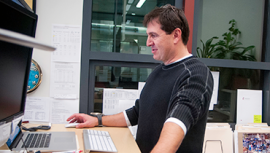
{"points": [[177, 35]]}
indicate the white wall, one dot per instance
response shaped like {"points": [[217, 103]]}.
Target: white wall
{"points": [[216, 14], [68, 12]]}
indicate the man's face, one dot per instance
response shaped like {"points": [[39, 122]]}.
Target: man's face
{"points": [[160, 42]]}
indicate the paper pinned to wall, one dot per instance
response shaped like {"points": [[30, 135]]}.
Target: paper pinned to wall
{"points": [[67, 40], [214, 98], [37, 109], [62, 109], [117, 100], [249, 104], [49, 110], [65, 61], [65, 80]]}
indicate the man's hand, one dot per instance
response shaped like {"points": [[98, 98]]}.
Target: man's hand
{"points": [[84, 120], [90, 121]]}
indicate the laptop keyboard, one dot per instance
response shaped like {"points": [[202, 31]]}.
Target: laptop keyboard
{"points": [[38, 140], [98, 141]]}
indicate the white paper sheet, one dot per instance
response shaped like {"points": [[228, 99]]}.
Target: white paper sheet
{"points": [[49, 110], [5, 131], [67, 40], [14, 124], [117, 100], [140, 88], [37, 109], [62, 109], [65, 80], [249, 103], [235, 135], [214, 98], [133, 130]]}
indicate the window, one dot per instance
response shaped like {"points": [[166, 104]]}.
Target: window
{"points": [[117, 25], [215, 18], [231, 79], [224, 20], [114, 52], [116, 77], [114, 42]]}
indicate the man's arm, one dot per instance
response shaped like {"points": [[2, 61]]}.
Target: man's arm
{"points": [[114, 120], [90, 121], [170, 138]]}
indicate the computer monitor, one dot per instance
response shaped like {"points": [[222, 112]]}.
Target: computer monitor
{"points": [[15, 60]]}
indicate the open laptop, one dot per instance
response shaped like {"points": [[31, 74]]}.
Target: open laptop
{"points": [[42, 141]]}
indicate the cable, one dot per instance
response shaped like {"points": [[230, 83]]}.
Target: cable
{"points": [[20, 126], [32, 129], [24, 145]]}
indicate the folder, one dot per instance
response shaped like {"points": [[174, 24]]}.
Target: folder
{"points": [[249, 106], [218, 125], [218, 140], [250, 126]]}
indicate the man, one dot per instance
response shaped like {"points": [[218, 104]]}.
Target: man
{"points": [[172, 110]]}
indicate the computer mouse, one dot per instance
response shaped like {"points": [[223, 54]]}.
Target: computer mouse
{"points": [[71, 125]]}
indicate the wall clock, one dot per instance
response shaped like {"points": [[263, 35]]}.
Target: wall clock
{"points": [[35, 76]]}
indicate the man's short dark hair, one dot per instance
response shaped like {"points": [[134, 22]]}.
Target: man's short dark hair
{"points": [[170, 18]]}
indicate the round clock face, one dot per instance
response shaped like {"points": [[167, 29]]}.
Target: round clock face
{"points": [[34, 77]]}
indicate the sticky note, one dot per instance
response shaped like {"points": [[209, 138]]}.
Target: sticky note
{"points": [[257, 118]]}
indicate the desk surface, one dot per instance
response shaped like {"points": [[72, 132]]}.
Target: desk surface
{"points": [[121, 136]]}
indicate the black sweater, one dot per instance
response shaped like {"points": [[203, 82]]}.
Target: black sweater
{"points": [[181, 90]]}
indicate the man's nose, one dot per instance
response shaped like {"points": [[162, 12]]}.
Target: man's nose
{"points": [[149, 42]]}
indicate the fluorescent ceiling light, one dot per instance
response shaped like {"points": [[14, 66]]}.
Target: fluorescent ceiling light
{"points": [[24, 40], [108, 25], [133, 14], [128, 7], [140, 3], [128, 21]]}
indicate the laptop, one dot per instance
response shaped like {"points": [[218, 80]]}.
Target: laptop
{"points": [[41, 141]]}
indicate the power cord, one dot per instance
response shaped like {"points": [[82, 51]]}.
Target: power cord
{"points": [[24, 145], [20, 126], [32, 129]]}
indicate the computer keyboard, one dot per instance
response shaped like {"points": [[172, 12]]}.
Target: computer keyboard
{"points": [[95, 140], [37, 141]]}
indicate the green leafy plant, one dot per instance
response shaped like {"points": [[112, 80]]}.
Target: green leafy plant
{"points": [[231, 48], [228, 48], [208, 49]]}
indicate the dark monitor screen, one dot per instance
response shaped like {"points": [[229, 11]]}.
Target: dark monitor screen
{"points": [[15, 60]]}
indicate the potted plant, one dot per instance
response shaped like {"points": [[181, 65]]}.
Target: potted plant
{"points": [[230, 48], [208, 49], [227, 48]]}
